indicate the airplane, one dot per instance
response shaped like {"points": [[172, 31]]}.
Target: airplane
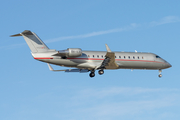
{"points": [[90, 61]]}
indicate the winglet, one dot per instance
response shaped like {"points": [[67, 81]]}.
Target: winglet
{"points": [[50, 68], [107, 48]]}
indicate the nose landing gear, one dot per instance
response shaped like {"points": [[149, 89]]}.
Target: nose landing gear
{"points": [[160, 75]]}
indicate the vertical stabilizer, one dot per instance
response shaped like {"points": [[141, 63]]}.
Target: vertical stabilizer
{"points": [[33, 41]]}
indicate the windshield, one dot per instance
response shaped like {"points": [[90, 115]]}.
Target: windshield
{"points": [[157, 56]]}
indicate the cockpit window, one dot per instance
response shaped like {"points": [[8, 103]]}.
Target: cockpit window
{"points": [[157, 56]]}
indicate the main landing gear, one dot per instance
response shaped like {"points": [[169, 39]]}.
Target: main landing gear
{"points": [[101, 72], [160, 75], [92, 74]]}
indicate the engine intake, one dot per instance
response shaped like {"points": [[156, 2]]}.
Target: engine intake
{"points": [[70, 52]]}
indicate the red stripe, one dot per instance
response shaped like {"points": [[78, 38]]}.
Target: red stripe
{"points": [[103, 59], [116, 60], [138, 60], [43, 58], [86, 58]]}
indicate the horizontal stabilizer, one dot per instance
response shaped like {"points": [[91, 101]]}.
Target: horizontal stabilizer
{"points": [[25, 32], [15, 35]]}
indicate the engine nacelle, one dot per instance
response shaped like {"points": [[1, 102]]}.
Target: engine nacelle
{"points": [[70, 52]]}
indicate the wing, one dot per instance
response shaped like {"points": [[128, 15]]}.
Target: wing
{"points": [[109, 62], [69, 70]]}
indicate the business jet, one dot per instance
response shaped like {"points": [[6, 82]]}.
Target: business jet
{"points": [[90, 61]]}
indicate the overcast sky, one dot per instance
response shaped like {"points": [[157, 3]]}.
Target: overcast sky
{"points": [[29, 91]]}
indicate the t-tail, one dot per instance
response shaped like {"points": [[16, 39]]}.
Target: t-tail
{"points": [[33, 41]]}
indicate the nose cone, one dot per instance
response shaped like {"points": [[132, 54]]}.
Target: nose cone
{"points": [[168, 65]]}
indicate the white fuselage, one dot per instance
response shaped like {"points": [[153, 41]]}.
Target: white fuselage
{"points": [[87, 61], [90, 59]]}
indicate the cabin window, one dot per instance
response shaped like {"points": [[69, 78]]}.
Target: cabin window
{"points": [[93, 55], [119, 56], [115, 56], [133, 57], [88, 55], [129, 57], [98, 56], [102, 56], [142, 57], [124, 56], [138, 57]]}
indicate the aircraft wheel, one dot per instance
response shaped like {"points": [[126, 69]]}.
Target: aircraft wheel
{"points": [[101, 72], [92, 74], [160, 75]]}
